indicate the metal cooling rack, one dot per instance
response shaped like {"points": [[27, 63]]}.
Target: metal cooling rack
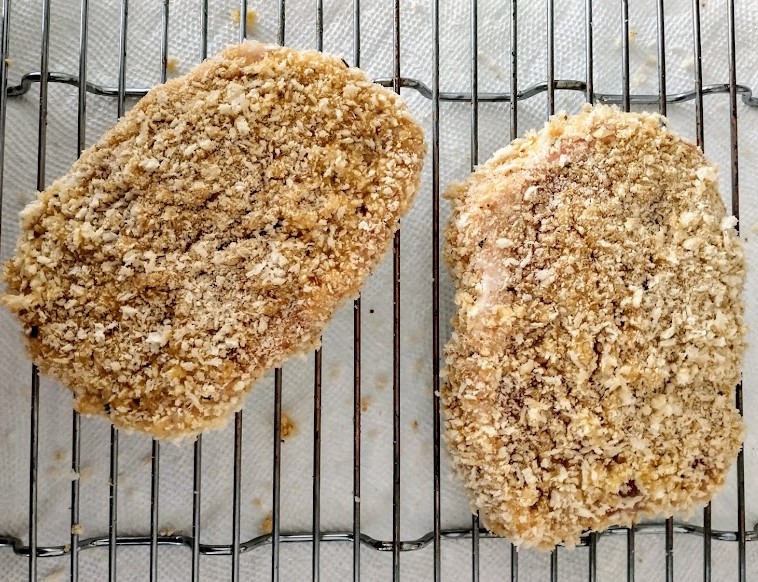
{"points": [[316, 536]]}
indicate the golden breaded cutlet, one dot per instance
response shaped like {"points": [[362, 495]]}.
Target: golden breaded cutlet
{"points": [[599, 332], [211, 234]]}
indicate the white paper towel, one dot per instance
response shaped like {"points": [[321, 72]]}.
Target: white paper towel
{"points": [[143, 66]]}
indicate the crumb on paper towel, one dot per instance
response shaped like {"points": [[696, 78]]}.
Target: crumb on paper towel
{"points": [[172, 65], [257, 502], [366, 401], [288, 427], [382, 381], [335, 373], [60, 455], [639, 78], [77, 529], [414, 424], [167, 531], [57, 575], [85, 473], [267, 525], [418, 366], [252, 17]]}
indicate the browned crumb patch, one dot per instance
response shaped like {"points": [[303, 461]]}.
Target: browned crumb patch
{"points": [[172, 65], [257, 502], [382, 381], [211, 234], [288, 427], [267, 525], [414, 424], [60, 455], [366, 402], [252, 17], [599, 331]]}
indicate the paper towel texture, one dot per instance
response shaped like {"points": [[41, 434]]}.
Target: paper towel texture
{"points": [[143, 68]]}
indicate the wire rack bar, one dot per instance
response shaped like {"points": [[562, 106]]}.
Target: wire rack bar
{"points": [[34, 404], [436, 421], [625, 104], [742, 535], [197, 449], [514, 70], [236, 496], [657, 529], [237, 471], [474, 159], [356, 363], [661, 46], [550, 60], [589, 88], [700, 138], [4, 94], [197, 469], [277, 480], [155, 449], [316, 519], [410, 83], [396, 332], [276, 501], [75, 418], [513, 134], [113, 464]]}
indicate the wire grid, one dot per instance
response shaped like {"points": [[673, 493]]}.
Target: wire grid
{"points": [[355, 537]]}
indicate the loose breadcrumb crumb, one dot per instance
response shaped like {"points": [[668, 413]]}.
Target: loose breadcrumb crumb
{"points": [[172, 65], [267, 525], [288, 427], [251, 19], [599, 331], [77, 529]]}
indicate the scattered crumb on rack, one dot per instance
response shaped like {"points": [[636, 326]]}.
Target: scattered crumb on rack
{"points": [[335, 373], [288, 426], [267, 525], [172, 65], [77, 529], [252, 17], [57, 575], [85, 473]]}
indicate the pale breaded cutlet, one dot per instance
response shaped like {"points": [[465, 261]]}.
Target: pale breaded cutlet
{"points": [[599, 331], [211, 234]]}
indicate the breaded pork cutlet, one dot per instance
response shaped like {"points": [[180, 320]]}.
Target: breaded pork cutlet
{"points": [[211, 234], [599, 333]]}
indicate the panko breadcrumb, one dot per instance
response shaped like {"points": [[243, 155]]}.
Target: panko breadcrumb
{"points": [[211, 234], [599, 331]]}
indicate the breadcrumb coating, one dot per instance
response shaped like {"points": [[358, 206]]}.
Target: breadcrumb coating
{"points": [[211, 234], [599, 332]]}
